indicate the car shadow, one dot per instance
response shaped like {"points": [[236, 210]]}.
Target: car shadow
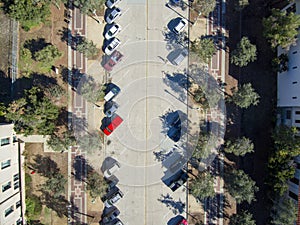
{"points": [[175, 220], [107, 163]]}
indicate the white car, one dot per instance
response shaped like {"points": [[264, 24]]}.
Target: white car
{"points": [[180, 26], [109, 172], [114, 198], [113, 45], [111, 3], [112, 32], [113, 15]]}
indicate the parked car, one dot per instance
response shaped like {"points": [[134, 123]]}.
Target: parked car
{"points": [[113, 197], [115, 57], [112, 31], [117, 222], [111, 109], [114, 91], [182, 222], [174, 133], [113, 214], [180, 57], [113, 45], [178, 180], [116, 120], [180, 26], [111, 3], [109, 172], [113, 15]]}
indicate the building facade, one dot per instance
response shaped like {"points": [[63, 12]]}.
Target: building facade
{"points": [[11, 203]]}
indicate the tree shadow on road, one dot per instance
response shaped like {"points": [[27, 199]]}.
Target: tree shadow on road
{"points": [[177, 207]]}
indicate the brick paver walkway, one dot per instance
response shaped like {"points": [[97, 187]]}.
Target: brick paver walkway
{"points": [[77, 165]]}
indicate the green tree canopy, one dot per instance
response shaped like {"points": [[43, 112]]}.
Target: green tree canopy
{"points": [[204, 48], [28, 12], [88, 6], [205, 145], [284, 211], [205, 7], [48, 54], [240, 186], [61, 143], [286, 141], [245, 96], [239, 147], [281, 28], [203, 186], [55, 185], [33, 113], [96, 185], [92, 91], [91, 142], [240, 4], [287, 146], [244, 53], [88, 48], [242, 218]]}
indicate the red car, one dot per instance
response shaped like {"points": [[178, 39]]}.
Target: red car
{"points": [[114, 123], [183, 222], [115, 57]]}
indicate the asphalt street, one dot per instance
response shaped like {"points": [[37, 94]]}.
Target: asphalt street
{"points": [[150, 89]]}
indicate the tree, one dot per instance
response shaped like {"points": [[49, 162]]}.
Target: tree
{"points": [[240, 186], [204, 146], [286, 141], [239, 5], [280, 63], [88, 6], [2, 109], [203, 186], [244, 218], [244, 53], [205, 7], [91, 91], [245, 96], [239, 147], [33, 205], [48, 54], [33, 113], [204, 48], [91, 142], [287, 146], [88, 48], [281, 28], [55, 185], [96, 185], [28, 12], [61, 143], [284, 211]]}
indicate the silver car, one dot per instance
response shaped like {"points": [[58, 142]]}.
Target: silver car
{"points": [[113, 15], [111, 3]]}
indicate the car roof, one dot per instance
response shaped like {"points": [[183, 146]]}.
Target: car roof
{"points": [[115, 122]]}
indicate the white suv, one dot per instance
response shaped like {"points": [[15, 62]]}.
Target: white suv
{"points": [[180, 26], [113, 45]]}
